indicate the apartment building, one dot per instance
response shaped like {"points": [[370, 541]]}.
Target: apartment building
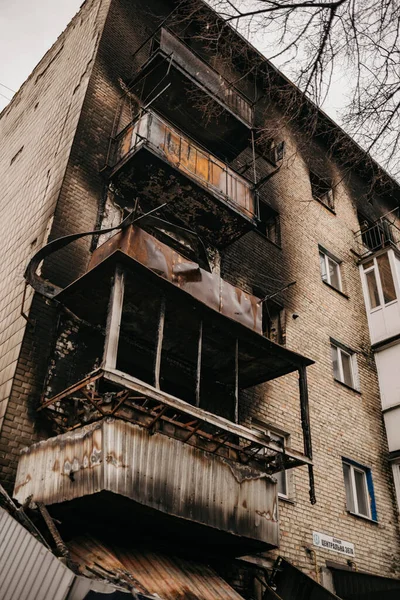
{"points": [[199, 321]]}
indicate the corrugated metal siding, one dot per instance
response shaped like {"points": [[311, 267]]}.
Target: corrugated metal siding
{"points": [[28, 571], [170, 577], [154, 470]]}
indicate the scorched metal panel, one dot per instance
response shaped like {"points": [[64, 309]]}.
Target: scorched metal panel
{"points": [[155, 471]]}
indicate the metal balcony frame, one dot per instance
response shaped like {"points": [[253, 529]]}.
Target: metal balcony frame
{"points": [[146, 142], [383, 234]]}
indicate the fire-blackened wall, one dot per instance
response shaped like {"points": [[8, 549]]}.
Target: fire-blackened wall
{"points": [[345, 422], [37, 132]]}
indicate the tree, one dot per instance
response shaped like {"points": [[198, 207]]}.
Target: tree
{"points": [[311, 39]]}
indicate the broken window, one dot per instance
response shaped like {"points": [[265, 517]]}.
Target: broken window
{"points": [[282, 439], [274, 326], [321, 190], [269, 148], [268, 223]]}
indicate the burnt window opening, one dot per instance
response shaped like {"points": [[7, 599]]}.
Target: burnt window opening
{"points": [[321, 190], [269, 224], [268, 148], [274, 322]]}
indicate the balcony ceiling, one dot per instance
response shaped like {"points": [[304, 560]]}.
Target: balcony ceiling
{"points": [[189, 105], [259, 359]]}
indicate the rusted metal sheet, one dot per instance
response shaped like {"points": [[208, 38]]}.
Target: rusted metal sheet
{"points": [[163, 575], [27, 569], [181, 152], [209, 288], [153, 470], [197, 68]]}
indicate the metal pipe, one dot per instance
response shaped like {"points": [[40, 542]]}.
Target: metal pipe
{"points": [[198, 369], [237, 381], [160, 338], [305, 423]]}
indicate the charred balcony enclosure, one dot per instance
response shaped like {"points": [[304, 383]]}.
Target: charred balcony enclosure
{"points": [[154, 161], [182, 87], [148, 413], [149, 482]]}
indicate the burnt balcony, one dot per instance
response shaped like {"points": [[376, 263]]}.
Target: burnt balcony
{"points": [[144, 394], [191, 94], [158, 164]]}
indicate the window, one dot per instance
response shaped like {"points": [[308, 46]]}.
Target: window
{"points": [[270, 149], [274, 321], [321, 190], [330, 269], [268, 223], [282, 477], [379, 281], [360, 498], [344, 364], [396, 477]]}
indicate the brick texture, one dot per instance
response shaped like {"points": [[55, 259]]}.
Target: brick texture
{"points": [[60, 172]]}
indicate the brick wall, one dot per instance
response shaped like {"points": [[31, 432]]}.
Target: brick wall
{"points": [[344, 422], [37, 129]]}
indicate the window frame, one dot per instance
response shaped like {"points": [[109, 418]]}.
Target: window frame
{"points": [[274, 432], [328, 256], [396, 477], [268, 221], [368, 490], [322, 190], [341, 349], [374, 268]]}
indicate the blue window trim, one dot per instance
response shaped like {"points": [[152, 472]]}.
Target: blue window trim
{"points": [[370, 485]]}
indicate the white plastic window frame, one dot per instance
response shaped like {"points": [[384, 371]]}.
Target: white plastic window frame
{"points": [[375, 269], [396, 477], [355, 382], [354, 509], [327, 256]]}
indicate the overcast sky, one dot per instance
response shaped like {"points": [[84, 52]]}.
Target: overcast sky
{"points": [[29, 27], [27, 30]]}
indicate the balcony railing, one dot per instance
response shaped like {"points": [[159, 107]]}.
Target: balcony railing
{"points": [[206, 75], [138, 469], [383, 233], [215, 176]]}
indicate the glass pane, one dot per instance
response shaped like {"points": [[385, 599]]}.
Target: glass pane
{"points": [[348, 487], [361, 492], [282, 483], [323, 267], [335, 362], [347, 370], [389, 293], [372, 289], [334, 273], [368, 264]]}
